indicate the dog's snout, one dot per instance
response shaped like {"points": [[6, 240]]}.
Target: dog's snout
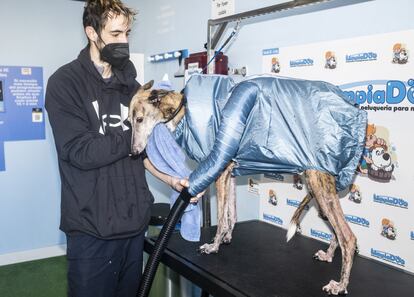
{"points": [[134, 153], [386, 156]]}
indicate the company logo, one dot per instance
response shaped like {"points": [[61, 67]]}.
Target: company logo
{"points": [[387, 257], [270, 51], [400, 54], [412, 235], [272, 197], [395, 92], [297, 182], [112, 120], [275, 65], [361, 57], [272, 218], [354, 192], [388, 229], [275, 176], [295, 203], [357, 220], [330, 60], [301, 62], [398, 202], [321, 234]]}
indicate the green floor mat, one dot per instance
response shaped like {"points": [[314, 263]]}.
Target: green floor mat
{"points": [[40, 278]]}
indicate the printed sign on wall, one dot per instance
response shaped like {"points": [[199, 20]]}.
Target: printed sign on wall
{"points": [[377, 73], [21, 105], [221, 8]]}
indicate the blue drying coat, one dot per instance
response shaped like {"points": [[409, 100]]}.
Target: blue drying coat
{"points": [[269, 124]]}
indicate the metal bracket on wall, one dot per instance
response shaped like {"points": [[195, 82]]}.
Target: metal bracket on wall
{"points": [[216, 27]]}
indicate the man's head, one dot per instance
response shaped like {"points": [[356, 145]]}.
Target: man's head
{"points": [[107, 24]]}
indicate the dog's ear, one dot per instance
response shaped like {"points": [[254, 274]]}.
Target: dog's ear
{"points": [[148, 85], [156, 96]]}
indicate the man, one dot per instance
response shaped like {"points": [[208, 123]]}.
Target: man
{"points": [[105, 205]]}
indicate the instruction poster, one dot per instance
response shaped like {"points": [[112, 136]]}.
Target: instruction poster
{"points": [[377, 72], [21, 105]]}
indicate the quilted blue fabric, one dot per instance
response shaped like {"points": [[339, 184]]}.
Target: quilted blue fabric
{"points": [[269, 124]]}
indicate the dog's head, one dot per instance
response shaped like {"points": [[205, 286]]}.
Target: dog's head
{"points": [[402, 56], [380, 157], [149, 107]]}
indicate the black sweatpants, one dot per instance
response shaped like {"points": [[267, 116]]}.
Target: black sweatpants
{"points": [[104, 268]]}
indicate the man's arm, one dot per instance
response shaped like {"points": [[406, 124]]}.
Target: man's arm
{"points": [[75, 141], [174, 182]]}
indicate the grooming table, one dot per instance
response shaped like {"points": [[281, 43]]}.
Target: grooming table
{"points": [[259, 263]]}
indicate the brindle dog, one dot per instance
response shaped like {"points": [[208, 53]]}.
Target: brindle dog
{"points": [[150, 107]]}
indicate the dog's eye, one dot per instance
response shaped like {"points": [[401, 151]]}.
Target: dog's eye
{"points": [[139, 120]]}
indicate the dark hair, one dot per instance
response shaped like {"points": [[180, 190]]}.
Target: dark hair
{"points": [[97, 12]]}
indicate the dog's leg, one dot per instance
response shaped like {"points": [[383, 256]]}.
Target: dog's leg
{"points": [[329, 254], [322, 187], [232, 212], [222, 185]]}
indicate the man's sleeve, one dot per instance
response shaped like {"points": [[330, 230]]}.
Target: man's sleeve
{"points": [[75, 142]]}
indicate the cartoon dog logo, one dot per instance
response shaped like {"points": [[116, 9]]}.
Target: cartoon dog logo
{"points": [[400, 54], [388, 229], [275, 65], [381, 167], [272, 197], [376, 161], [297, 182], [355, 194], [330, 60]]}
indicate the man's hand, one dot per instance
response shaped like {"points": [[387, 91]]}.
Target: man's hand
{"points": [[179, 184]]}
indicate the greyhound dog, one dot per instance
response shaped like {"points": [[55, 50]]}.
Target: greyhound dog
{"points": [[150, 107]]}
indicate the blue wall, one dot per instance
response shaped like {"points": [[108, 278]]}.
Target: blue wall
{"points": [[34, 33], [49, 33]]}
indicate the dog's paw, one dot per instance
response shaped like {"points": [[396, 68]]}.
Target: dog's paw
{"points": [[227, 238], [208, 249], [335, 288], [322, 256]]}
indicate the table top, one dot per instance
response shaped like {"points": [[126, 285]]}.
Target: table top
{"points": [[259, 262]]}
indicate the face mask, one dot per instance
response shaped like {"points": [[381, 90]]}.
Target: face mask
{"points": [[116, 54]]}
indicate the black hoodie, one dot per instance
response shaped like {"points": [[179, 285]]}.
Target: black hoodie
{"points": [[104, 191]]}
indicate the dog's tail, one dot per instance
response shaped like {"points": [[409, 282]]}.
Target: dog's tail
{"points": [[295, 219]]}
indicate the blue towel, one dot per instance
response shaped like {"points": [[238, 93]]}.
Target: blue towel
{"points": [[166, 155]]}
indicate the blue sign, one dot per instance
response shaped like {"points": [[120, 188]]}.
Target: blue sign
{"points": [[357, 220], [162, 57], [393, 201], [361, 57], [301, 62], [295, 203], [21, 105], [321, 234], [272, 218], [270, 51], [387, 257]]}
